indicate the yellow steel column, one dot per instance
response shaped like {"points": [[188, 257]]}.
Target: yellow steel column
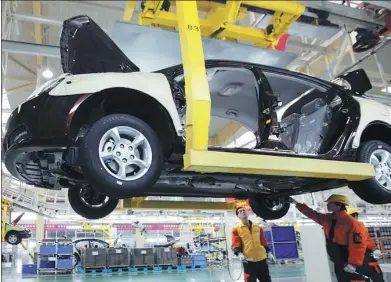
{"points": [[4, 209], [129, 10], [197, 88]]}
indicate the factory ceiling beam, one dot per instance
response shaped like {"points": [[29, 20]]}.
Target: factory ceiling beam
{"points": [[36, 19], [20, 64], [343, 15], [17, 47], [41, 20]]}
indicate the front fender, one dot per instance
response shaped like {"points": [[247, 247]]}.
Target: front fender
{"points": [[371, 112], [153, 84]]}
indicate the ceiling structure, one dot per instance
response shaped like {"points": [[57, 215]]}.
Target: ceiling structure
{"points": [[322, 52]]}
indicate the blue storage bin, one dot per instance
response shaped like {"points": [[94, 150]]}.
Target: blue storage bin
{"points": [[47, 249], [47, 264], [65, 250], [29, 269], [199, 260], [64, 263]]}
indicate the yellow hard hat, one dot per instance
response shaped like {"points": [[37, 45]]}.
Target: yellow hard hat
{"points": [[351, 211], [335, 198]]}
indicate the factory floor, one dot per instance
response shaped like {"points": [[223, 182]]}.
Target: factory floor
{"points": [[279, 274]]}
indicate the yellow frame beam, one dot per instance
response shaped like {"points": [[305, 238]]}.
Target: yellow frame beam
{"points": [[197, 157], [221, 18], [177, 205]]}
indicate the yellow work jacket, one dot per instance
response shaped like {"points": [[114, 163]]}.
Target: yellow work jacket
{"points": [[252, 243]]}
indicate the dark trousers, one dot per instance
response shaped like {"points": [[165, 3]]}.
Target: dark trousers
{"points": [[371, 270], [256, 270]]}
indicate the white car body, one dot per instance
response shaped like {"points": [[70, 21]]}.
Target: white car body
{"points": [[152, 84], [371, 111]]}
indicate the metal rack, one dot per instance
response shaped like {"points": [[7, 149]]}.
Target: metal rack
{"points": [[55, 257], [381, 235]]}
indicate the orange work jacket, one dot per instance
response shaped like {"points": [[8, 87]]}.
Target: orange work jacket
{"points": [[252, 243], [347, 232]]}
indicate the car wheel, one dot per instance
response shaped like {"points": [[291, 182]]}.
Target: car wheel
{"points": [[13, 237], [76, 259], [269, 209], [121, 156], [376, 190], [88, 203]]}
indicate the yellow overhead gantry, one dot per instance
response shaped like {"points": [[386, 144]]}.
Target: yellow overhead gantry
{"points": [[191, 28]]}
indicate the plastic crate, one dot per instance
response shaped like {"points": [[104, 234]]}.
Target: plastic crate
{"points": [[199, 260], [65, 250], [47, 249], [47, 264], [64, 263], [29, 269]]}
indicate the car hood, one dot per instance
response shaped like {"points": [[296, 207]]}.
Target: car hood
{"points": [[86, 48]]}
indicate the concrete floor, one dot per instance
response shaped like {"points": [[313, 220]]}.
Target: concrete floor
{"points": [[279, 274]]}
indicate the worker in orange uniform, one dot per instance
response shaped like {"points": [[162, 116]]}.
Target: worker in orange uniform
{"points": [[370, 243], [249, 243], [346, 244]]}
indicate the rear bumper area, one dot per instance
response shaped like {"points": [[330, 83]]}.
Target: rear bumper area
{"points": [[25, 234]]}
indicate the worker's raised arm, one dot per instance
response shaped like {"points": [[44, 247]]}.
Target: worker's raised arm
{"points": [[236, 242], [357, 245], [318, 217]]}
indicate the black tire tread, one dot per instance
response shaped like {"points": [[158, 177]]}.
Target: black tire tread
{"points": [[259, 208], [16, 233], [104, 182], [370, 190], [87, 212]]}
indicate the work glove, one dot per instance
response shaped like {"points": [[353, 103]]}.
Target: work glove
{"points": [[271, 257], [377, 254], [242, 258], [349, 268], [292, 201]]}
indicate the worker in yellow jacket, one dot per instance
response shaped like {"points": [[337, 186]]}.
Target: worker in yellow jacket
{"points": [[249, 243]]}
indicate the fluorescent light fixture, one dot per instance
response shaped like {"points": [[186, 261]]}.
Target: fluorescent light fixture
{"points": [[73, 227], [47, 73], [388, 89]]}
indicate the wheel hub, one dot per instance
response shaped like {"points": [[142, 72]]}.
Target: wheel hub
{"points": [[12, 239], [125, 153], [92, 198], [381, 160]]}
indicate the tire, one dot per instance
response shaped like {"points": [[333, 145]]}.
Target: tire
{"points": [[263, 208], [90, 211], [101, 174], [13, 237], [76, 259], [371, 190]]}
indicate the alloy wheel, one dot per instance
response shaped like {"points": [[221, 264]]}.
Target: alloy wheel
{"points": [[125, 153], [381, 159]]}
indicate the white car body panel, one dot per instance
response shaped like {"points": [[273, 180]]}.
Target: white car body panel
{"points": [[371, 111], [153, 84]]}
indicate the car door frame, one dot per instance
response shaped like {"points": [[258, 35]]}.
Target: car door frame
{"points": [[340, 149], [266, 97]]}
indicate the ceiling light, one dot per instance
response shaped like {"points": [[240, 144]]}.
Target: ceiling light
{"points": [[47, 73]]}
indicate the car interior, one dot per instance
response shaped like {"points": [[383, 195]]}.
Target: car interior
{"points": [[306, 114]]}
